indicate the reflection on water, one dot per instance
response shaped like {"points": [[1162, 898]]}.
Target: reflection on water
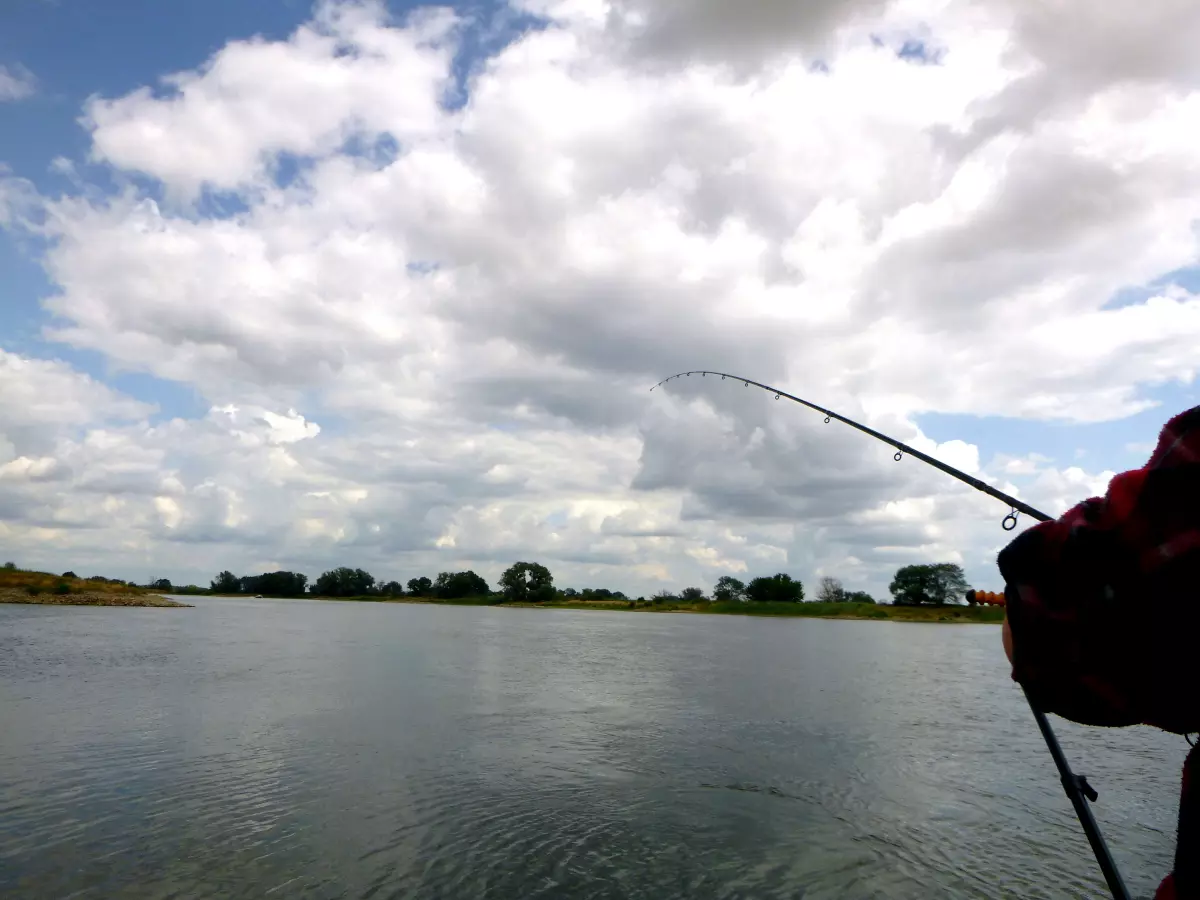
{"points": [[304, 749]]}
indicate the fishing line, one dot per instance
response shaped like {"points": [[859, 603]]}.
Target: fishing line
{"points": [[1076, 786]]}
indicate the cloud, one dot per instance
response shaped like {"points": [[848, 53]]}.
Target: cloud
{"points": [[19, 201], [305, 96], [712, 31], [16, 83], [1126, 51], [42, 400], [261, 426], [426, 331]]}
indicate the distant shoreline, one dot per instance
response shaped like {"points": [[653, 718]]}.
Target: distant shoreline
{"points": [[953, 615], [86, 598], [26, 588], [950, 614]]}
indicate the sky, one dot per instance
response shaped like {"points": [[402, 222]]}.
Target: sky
{"points": [[299, 286]]}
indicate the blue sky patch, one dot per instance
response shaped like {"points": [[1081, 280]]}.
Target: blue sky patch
{"points": [[1105, 445]]}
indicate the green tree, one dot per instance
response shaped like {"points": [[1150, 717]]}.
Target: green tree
{"points": [[859, 597], [527, 582], [937, 583], [729, 589], [344, 582], [778, 588], [392, 589], [830, 590], [161, 584], [10, 566], [226, 583], [276, 584], [69, 575], [420, 587], [691, 595], [453, 585]]}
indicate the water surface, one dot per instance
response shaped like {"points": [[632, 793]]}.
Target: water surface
{"points": [[251, 748]]}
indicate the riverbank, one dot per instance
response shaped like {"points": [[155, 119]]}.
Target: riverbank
{"points": [[86, 598], [880, 612], [950, 614], [46, 589]]}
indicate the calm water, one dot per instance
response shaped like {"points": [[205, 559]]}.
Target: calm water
{"points": [[303, 749]]}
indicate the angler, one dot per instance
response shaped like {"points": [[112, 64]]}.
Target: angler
{"points": [[1102, 615]]}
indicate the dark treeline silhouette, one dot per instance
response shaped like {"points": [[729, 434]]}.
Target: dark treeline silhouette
{"points": [[934, 584], [929, 584], [347, 582]]}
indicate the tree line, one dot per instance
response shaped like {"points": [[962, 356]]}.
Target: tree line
{"points": [[913, 585], [521, 581], [935, 584]]}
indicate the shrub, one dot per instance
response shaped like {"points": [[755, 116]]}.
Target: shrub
{"points": [[33, 590], [859, 597], [778, 588], [62, 588]]}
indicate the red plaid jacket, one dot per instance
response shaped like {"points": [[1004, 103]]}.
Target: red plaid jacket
{"points": [[1104, 607]]}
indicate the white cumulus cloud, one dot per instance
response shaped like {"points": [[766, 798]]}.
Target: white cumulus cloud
{"points": [[426, 330]]}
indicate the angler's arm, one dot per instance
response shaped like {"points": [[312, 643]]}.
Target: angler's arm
{"points": [[1097, 599]]}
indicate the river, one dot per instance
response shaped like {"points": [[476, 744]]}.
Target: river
{"points": [[291, 748]]}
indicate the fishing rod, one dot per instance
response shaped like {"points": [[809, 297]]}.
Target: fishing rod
{"points": [[1076, 786]]}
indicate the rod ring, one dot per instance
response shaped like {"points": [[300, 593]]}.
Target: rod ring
{"points": [[897, 456], [1010, 522]]}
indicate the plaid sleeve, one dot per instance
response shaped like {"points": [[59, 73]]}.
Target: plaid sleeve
{"points": [[1104, 602]]}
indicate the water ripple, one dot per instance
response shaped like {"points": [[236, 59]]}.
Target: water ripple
{"points": [[320, 750]]}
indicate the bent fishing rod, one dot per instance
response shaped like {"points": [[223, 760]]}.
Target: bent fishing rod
{"points": [[1076, 786]]}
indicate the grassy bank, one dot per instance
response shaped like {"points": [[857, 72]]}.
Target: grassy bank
{"points": [[44, 588], [862, 611], [952, 614]]}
